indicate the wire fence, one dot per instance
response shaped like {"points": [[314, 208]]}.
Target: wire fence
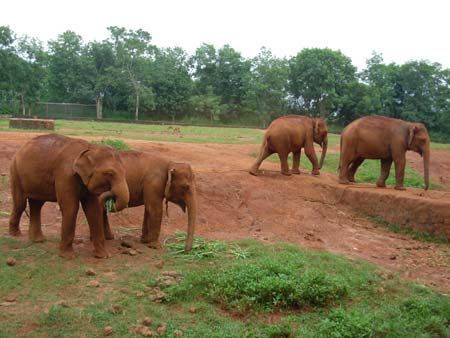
{"points": [[65, 110]]}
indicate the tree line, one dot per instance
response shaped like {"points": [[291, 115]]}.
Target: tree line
{"points": [[127, 75]]}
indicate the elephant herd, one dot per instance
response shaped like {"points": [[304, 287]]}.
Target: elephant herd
{"points": [[71, 172]]}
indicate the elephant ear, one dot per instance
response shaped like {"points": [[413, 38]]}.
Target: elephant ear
{"points": [[412, 131], [84, 166]]}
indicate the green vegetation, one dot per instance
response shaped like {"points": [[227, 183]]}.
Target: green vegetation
{"points": [[221, 295], [116, 144]]}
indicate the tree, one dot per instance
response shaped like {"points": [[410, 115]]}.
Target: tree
{"points": [[134, 52], [318, 79]]}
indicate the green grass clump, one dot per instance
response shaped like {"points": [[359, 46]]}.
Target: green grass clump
{"points": [[114, 143]]}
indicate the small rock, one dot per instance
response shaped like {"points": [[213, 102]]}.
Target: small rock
{"points": [[147, 321], [143, 331], [147, 289], [11, 261], [177, 333], [192, 309], [90, 272], [94, 283], [116, 309], [139, 250], [159, 264], [380, 289], [126, 243], [140, 294], [162, 328], [169, 282], [132, 252], [108, 331], [11, 298], [170, 273]]}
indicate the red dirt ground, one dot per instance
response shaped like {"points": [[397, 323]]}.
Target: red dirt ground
{"points": [[271, 207]]}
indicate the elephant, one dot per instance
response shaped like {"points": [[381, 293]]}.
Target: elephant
{"points": [[66, 170], [150, 180], [384, 138], [289, 134]]}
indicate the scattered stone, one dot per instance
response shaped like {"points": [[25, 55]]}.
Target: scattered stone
{"points": [[380, 289], [108, 331], [11, 298], [147, 321], [139, 250], [140, 294], [177, 333], [94, 283], [90, 272], [158, 296], [147, 289], [192, 309], [11, 261], [132, 252], [143, 331], [159, 264], [161, 329], [170, 273], [126, 243]]}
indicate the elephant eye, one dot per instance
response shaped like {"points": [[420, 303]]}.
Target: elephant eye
{"points": [[109, 173]]}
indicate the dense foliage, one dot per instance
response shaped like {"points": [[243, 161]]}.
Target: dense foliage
{"points": [[127, 76]]}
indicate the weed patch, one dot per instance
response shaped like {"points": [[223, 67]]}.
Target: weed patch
{"points": [[114, 143]]}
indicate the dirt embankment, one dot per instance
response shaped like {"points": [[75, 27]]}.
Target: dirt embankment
{"points": [[313, 212]]}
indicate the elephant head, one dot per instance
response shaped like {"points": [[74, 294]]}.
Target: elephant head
{"points": [[321, 137], [103, 174], [180, 189], [419, 141]]}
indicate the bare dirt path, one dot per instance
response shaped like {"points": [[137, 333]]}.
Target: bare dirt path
{"points": [[271, 207]]}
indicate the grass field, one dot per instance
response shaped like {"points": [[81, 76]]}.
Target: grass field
{"points": [[257, 290]]}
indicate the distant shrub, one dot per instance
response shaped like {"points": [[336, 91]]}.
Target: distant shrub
{"points": [[114, 143]]}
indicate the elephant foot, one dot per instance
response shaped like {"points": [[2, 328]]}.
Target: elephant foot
{"points": [[286, 172], [109, 236], [315, 172], [398, 187], [351, 179], [295, 171], [381, 185], [344, 181], [67, 253], [101, 254], [154, 245], [253, 172], [38, 238], [145, 240], [15, 232]]}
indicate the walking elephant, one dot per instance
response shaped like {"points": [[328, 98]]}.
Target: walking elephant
{"points": [[66, 170], [289, 134], [152, 179], [384, 138]]}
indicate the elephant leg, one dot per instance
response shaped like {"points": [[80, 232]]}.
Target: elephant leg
{"points": [[385, 170], [94, 215], [399, 172], [296, 162], [145, 237], [35, 230], [106, 227], [263, 154], [154, 226], [353, 167], [344, 164], [19, 205], [69, 209], [284, 163], [309, 151]]}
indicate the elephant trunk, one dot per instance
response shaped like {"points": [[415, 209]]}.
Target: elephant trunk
{"points": [[324, 151], [426, 167], [120, 193], [191, 204]]}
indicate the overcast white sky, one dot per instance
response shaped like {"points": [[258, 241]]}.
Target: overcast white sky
{"points": [[401, 30]]}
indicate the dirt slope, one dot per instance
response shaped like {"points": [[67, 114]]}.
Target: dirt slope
{"points": [[235, 205]]}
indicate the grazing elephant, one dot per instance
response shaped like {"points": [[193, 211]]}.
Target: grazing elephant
{"points": [[152, 179], [290, 134], [66, 170], [384, 138]]}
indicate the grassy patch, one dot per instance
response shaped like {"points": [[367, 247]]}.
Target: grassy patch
{"points": [[220, 295], [114, 143]]}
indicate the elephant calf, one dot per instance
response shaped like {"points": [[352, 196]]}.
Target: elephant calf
{"points": [[384, 138], [289, 134], [150, 180]]}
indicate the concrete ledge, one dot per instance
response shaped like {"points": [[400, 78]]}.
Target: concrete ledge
{"points": [[32, 124]]}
